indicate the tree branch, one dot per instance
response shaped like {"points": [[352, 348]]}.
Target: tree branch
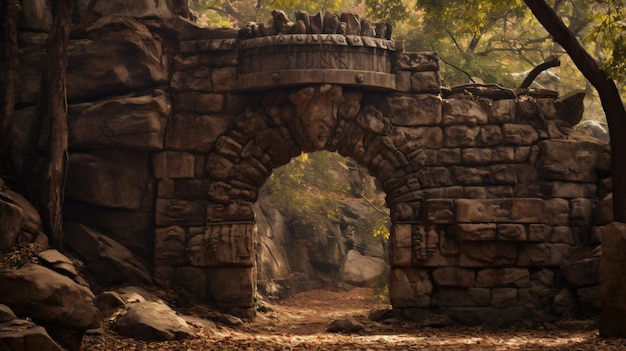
{"points": [[552, 61]]}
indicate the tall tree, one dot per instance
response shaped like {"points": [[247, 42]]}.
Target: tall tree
{"points": [[609, 96], [52, 112]]}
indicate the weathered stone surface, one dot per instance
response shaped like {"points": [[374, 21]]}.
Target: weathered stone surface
{"points": [[541, 254], [58, 262], [231, 287], [562, 234], [603, 212], [580, 212], [500, 210], [582, 272], [488, 254], [411, 110], [476, 231], [136, 122], [409, 287], [461, 136], [109, 302], [344, 326], [133, 60], [360, 270], [108, 261], [503, 277], [557, 212], [196, 133], [195, 79], [503, 297], [570, 160], [179, 212], [613, 284], [23, 335], [170, 164], [439, 211], [29, 290], [6, 314], [467, 112], [502, 111], [511, 232], [519, 134], [454, 277], [224, 79], [169, 246], [11, 218], [117, 179], [425, 82], [152, 321]]}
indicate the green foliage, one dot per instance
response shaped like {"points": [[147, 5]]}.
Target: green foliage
{"points": [[391, 11]]}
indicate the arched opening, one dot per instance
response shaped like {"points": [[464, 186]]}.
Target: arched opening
{"points": [[321, 223]]}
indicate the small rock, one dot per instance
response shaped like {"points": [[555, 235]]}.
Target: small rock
{"points": [[108, 302], [58, 262], [344, 326], [436, 321], [380, 315]]}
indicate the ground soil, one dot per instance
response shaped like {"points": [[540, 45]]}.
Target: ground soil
{"points": [[299, 323]]}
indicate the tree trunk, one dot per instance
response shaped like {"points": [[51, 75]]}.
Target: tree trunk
{"points": [[54, 116], [10, 83], [609, 96]]}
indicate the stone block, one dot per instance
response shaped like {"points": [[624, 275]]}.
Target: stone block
{"points": [[172, 164], [231, 287], [488, 254], [406, 292], [417, 61], [224, 79], [461, 136], [504, 297], [169, 246], [403, 81], [557, 212], [196, 133], [478, 297], [580, 212], [472, 176], [402, 235], [451, 297], [180, 212], [502, 111], [454, 277], [439, 211], [521, 210], [540, 254], [136, 122], [511, 232], [434, 177], [401, 256], [463, 112], [476, 231], [519, 134], [504, 154], [422, 137], [425, 82], [503, 277], [583, 272], [489, 135], [476, 156], [602, 214], [571, 160], [197, 79], [487, 192], [562, 234], [413, 110], [117, 179]]}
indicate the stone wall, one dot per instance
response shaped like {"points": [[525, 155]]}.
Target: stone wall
{"points": [[488, 196]]}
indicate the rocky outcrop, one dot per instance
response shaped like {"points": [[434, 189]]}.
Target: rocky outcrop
{"points": [[152, 321], [360, 270]]}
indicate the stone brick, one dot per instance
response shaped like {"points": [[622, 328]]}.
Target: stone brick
{"points": [[423, 137], [231, 287], [580, 212], [476, 231], [439, 210], [449, 156], [557, 212], [541, 254], [504, 297], [511, 232], [503, 277], [472, 176], [460, 136], [401, 256], [453, 277], [196, 133], [478, 297], [602, 214], [425, 82], [488, 254], [402, 235], [519, 134], [179, 212], [488, 192], [489, 136], [476, 156], [500, 210], [414, 110], [502, 111], [171, 164], [432, 177], [537, 232], [224, 79], [571, 160], [584, 272], [613, 284], [405, 292], [194, 280], [562, 234], [504, 154], [403, 81], [197, 79], [169, 246], [462, 111], [451, 297]]}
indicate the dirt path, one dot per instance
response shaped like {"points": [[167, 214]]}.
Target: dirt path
{"points": [[299, 323]]}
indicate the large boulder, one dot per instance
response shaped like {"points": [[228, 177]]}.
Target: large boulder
{"points": [[19, 221], [108, 261], [23, 335], [613, 281], [361, 270]]}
